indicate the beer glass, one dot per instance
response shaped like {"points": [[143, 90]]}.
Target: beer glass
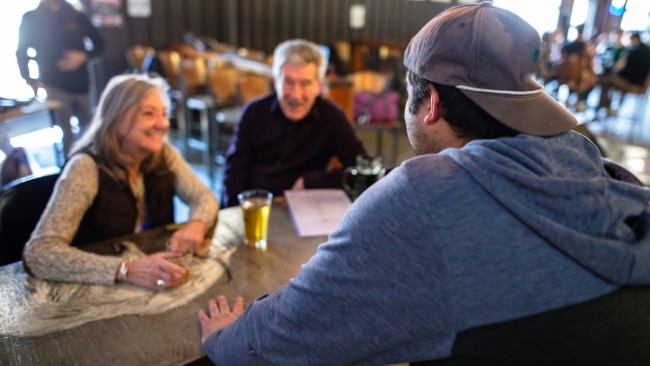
{"points": [[184, 260], [363, 175], [256, 207]]}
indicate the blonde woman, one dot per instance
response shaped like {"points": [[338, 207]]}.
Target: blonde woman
{"points": [[120, 178]]}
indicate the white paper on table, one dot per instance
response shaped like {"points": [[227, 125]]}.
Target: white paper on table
{"points": [[316, 211]]}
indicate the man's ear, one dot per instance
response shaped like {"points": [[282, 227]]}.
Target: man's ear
{"points": [[433, 113]]}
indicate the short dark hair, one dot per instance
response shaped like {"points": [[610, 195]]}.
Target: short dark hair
{"points": [[465, 117]]}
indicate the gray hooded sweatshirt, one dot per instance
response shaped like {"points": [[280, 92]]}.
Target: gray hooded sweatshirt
{"points": [[496, 230]]}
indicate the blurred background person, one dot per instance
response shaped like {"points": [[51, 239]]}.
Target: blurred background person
{"points": [[610, 50], [631, 78], [544, 71], [56, 35], [287, 140], [576, 70], [121, 179]]}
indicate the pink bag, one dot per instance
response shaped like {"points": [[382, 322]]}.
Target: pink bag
{"points": [[370, 107]]}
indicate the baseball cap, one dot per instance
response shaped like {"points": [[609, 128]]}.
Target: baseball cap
{"points": [[489, 54]]}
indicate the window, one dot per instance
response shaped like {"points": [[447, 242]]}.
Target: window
{"points": [[542, 15], [579, 12], [10, 18], [636, 16]]}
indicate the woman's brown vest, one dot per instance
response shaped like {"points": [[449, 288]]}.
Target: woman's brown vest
{"points": [[113, 212]]}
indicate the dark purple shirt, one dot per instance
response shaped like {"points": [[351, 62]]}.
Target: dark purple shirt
{"points": [[271, 152]]}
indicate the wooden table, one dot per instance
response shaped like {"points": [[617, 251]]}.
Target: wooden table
{"points": [[173, 337]]}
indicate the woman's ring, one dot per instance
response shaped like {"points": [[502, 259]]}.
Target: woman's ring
{"points": [[160, 282]]}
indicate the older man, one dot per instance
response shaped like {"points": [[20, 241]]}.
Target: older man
{"points": [[286, 140], [506, 213]]}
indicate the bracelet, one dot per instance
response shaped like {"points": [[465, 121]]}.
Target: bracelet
{"points": [[122, 271]]}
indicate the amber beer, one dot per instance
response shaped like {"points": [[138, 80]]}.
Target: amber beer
{"points": [[256, 207], [185, 260]]}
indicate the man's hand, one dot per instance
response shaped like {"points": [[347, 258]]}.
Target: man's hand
{"points": [[72, 60], [220, 315]]}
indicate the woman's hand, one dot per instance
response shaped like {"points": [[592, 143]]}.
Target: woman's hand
{"points": [[155, 271], [188, 237]]}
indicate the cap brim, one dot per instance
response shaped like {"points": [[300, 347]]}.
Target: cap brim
{"points": [[535, 114]]}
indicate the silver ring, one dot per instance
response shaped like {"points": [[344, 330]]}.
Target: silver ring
{"points": [[160, 282]]}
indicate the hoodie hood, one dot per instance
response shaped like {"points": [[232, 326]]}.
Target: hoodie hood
{"points": [[559, 188]]}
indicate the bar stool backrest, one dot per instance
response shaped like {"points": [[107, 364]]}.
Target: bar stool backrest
{"points": [[21, 204]]}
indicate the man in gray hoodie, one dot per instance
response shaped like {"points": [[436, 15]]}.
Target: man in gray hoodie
{"points": [[506, 213]]}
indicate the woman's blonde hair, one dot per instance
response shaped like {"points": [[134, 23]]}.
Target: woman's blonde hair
{"points": [[120, 99]]}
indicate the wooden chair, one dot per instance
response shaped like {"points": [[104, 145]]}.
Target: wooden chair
{"points": [[371, 81], [341, 91], [170, 62], [251, 54], [211, 87], [21, 204], [222, 82], [251, 85], [212, 44], [194, 76], [197, 100], [140, 57], [222, 47], [185, 50]]}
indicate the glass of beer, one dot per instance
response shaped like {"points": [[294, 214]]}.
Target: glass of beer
{"points": [[256, 207], [184, 260], [362, 176]]}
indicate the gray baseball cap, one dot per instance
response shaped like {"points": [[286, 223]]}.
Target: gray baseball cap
{"points": [[489, 54]]}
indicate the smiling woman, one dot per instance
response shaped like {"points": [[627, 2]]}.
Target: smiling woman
{"points": [[120, 179]]}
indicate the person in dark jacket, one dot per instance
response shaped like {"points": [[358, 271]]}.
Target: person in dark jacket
{"points": [[55, 35], [287, 139], [632, 78]]}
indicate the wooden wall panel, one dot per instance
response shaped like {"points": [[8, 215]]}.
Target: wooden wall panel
{"points": [[159, 24], [194, 16], [176, 20], [212, 17], [262, 24]]}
